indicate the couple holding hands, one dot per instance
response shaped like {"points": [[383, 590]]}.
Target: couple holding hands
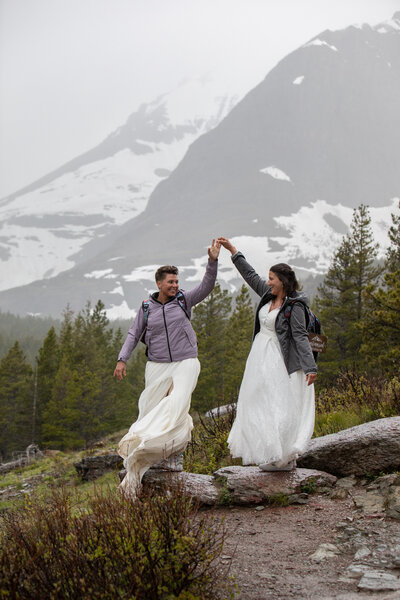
{"points": [[275, 409]]}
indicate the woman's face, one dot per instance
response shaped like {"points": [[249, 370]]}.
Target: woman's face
{"points": [[275, 284]]}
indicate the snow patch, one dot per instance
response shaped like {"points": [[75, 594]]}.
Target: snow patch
{"points": [[319, 42], [145, 272], [275, 173], [117, 290], [120, 311], [97, 274], [308, 236], [299, 80]]}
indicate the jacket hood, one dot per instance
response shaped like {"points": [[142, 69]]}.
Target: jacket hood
{"points": [[299, 296]]}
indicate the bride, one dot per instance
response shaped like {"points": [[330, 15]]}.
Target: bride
{"points": [[275, 409]]}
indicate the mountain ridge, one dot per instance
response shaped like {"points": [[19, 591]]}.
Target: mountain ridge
{"points": [[281, 173]]}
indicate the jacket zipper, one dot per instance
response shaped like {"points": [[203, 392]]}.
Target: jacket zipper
{"points": [[166, 331]]}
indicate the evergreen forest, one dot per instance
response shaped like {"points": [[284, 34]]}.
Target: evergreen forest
{"points": [[59, 392]]}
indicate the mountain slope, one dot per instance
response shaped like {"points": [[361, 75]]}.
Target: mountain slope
{"points": [[46, 228], [280, 173]]}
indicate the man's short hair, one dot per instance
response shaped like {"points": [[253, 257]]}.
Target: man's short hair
{"points": [[165, 270]]}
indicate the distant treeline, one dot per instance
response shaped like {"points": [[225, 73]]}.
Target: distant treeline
{"points": [[30, 331], [67, 397]]}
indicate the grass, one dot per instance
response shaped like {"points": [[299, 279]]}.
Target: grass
{"points": [[49, 472], [355, 399]]}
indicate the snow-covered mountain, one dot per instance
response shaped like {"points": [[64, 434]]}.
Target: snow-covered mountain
{"points": [[280, 174], [45, 228]]}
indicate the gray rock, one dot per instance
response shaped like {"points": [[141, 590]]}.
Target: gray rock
{"points": [[218, 411], [324, 551], [383, 483], [369, 448], [346, 482], [92, 467], [376, 581], [355, 571], [370, 502], [250, 485], [339, 493], [299, 498], [362, 552], [201, 487], [393, 503]]}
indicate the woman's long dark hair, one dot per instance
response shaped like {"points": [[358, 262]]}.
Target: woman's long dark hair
{"points": [[287, 276]]}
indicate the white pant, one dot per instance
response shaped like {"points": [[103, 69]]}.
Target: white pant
{"points": [[164, 425]]}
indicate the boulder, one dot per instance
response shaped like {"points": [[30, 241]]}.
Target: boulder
{"points": [[92, 467], [201, 487], [250, 485], [365, 449]]}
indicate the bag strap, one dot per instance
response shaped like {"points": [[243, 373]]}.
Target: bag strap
{"points": [[182, 303], [289, 307], [146, 309]]}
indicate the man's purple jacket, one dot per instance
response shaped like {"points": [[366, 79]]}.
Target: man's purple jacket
{"points": [[169, 334]]}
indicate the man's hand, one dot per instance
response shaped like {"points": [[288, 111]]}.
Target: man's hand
{"points": [[227, 244], [120, 370], [213, 251], [311, 378]]}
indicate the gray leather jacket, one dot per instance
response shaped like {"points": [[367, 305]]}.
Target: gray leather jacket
{"points": [[292, 334]]}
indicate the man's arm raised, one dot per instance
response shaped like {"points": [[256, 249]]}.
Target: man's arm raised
{"points": [[206, 286]]}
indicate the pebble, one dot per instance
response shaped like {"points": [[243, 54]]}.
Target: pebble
{"points": [[362, 552], [259, 507], [324, 551]]}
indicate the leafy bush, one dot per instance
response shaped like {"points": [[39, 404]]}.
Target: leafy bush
{"points": [[208, 449], [158, 547]]}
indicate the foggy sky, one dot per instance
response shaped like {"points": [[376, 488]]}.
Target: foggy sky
{"points": [[71, 71]]}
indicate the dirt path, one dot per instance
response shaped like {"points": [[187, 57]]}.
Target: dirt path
{"points": [[269, 550]]}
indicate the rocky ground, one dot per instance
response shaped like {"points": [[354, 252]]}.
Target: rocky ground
{"points": [[325, 549]]}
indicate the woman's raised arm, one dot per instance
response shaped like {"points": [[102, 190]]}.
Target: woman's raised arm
{"points": [[258, 284]]}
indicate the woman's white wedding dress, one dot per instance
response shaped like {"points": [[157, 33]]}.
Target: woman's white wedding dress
{"points": [[275, 411]]}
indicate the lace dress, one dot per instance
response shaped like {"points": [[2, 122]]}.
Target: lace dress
{"points": [[275, 411]]}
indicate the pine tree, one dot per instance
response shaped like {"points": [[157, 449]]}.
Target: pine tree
{"points": [[340, 300], [16, 402], [86, 402], [48, 361], [210, 319], [238, 342], [381, 325], [72, 418], [393, 252]]}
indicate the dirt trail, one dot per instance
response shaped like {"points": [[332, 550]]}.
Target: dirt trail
{"points": [[269, 550]]}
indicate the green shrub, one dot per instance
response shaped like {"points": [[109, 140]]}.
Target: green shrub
{"points": [[208, 449], [279, 499], [158, 547], [355, 399]]}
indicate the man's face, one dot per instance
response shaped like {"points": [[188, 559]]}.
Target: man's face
{"points": [[168, 286]]}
